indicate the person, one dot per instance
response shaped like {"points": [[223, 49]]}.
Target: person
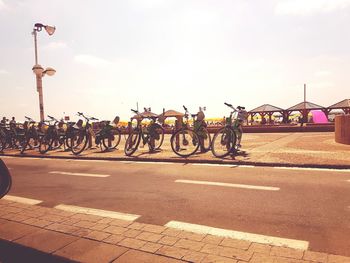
{"points": [[241, 116], [13, 122], [199, 126], [301, 121], [3, 121]]}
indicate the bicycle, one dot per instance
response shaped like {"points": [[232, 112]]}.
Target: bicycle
{"points": [[31, 136], [53, 137], [5, 179], [81, 135], [108, 138], [11, 136], [186, 141], [152, 135], [225, 139]]}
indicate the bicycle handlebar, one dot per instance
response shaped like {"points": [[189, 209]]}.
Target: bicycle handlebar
{"points": [[228, 104], [185, 108], [29, 119], [134, 111], [52, 118]]}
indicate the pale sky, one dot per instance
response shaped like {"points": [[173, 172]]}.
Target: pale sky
{"points": [[165, 53]]}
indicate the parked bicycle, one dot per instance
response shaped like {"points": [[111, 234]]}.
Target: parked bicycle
{"points": [[5, 179], [109, 135], [10, 136], [227, 140], [186, 141], [82, 135], [31, 135], [152, 134], [54, 135]]}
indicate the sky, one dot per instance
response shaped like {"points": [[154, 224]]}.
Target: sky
{"points": [[110, 55]]}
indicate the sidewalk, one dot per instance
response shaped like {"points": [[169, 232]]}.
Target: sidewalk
{"points": [[308, 149], [89, 238]]}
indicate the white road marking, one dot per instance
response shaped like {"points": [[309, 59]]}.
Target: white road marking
{"points": [[213, 164], [97, 212], [246, 186], [276, 241], [80, 160], [315, 169], [80, 174], [146, 162], [22, 200], [249, 166]]}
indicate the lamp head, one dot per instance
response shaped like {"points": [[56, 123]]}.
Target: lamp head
{"points": [[49, 71], [38, 69], [49, 29]]}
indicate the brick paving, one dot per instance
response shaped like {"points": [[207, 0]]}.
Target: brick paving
{"points": [[84, 238]]}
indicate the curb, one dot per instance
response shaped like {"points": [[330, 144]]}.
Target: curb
{"points": [[187, 161]]}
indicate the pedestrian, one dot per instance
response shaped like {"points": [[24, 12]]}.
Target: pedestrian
{"points": [[13, 122], [3, 121]]}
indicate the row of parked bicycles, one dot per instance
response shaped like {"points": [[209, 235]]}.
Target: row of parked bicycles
{"points": [[189, 137]]}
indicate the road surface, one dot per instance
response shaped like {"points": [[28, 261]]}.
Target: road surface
{"points": [[310, 205]]}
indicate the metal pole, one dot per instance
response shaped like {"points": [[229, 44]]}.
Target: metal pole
{"points": [[39, 83], [35, 46], [304, 111]]}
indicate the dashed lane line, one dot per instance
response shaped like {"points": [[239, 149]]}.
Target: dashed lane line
{"points": [[245, 186], [97, 212], [276, 241], [314, 169], [213, 164], [22, 200], [80, 174]]}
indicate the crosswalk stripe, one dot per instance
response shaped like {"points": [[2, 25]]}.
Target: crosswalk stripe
{"points": [[276, 241], [97, 212]]}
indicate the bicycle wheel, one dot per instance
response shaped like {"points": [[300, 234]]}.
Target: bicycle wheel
{"points": [[2, 145], [223, 142], [34, 142], [5, 179], [157, 135], [23, 144], [56, 143], [112, 141], [78, 142], [45, 144], [184, 142], [205, 140], [132, 142]]}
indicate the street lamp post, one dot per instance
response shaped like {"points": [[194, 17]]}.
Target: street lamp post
{"points": [[38, 69]]}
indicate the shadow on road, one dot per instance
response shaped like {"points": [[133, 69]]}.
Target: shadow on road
{"points": [[13, 253]]}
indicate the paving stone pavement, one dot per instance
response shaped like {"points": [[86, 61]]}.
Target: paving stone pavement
{"points": [[88, 238]]}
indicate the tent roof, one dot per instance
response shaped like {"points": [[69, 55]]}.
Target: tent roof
{"points": [[266, 108], [144, 114], [341, 104], [172, 113], [305, 105]]}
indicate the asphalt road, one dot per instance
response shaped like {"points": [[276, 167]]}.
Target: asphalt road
{"points": [[302, 204]]}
